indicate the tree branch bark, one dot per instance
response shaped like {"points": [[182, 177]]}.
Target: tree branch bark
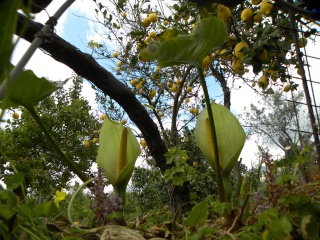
{"points": [[84, 65]]}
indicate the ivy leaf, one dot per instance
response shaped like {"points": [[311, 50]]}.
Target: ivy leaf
{"points": [[198, 215], [208, 34]]}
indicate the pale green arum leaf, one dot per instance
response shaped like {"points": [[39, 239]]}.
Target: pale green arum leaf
{"points": [[208, 34], [28, 90], [198, 215], [117, 170], [230, 137]]}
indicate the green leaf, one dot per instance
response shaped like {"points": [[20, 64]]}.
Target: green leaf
{"points": [[8, 20], [268, 216], [208, 34], [198, 215], [279, 229], [28, 90], [230, 137], [14, 181], [46, 209], [222, 207]]}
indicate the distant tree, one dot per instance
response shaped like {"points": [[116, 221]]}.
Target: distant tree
{"points": [[274, 119], [68, 117]]}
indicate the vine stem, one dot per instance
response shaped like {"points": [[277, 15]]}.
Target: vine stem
{"points": [[38, 40], [221, 190], [61, 154]]}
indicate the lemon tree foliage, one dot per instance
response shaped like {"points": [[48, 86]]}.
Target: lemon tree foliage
{"points": [[68, 116]]}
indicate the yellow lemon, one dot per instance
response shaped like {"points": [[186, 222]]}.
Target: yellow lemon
{"points": [[95, 140], [246, 15], [266, 7], [287, 88], [237, 67], [153, 17], [206, 62], [146, 22], [238, 49], [224, 13], [116, 54]]}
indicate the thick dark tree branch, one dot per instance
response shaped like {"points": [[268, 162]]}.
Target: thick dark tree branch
{"points": [[85, 65]]}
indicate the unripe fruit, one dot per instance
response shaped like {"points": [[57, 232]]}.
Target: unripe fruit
{"points": [[266, 7], [153, 17], [123, 122], [287, 88], [116, 54], [239, 48], [15, 115], [246, 14], [257, 17], [95, 140], [206, 62]]}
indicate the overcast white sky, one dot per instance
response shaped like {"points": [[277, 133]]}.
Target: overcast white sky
{"points": [[79, 32]]}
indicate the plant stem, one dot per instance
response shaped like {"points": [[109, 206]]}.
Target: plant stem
{"points": [[71, 201], [221, 191], [33, 47], [63, 156]]}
